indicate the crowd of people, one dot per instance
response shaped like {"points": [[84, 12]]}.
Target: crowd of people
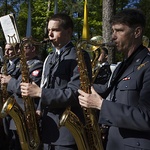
{"points": [[121, 97]]}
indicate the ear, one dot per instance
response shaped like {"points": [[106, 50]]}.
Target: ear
{"points": [[138, 32], [33, 48]]}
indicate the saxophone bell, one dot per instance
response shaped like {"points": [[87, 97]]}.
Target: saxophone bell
{"points": [[15, 111], [97, 41], [87, 136], [25, 120]]}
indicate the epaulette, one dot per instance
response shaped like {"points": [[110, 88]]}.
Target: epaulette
{"points": [[18, 65], [33, 62]]}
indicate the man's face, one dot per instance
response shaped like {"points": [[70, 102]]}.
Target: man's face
{"points": [[58, 36], [28, 49], [103, 57], [123, 36], [9, 51]]}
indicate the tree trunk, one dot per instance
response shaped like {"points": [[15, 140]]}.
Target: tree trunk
{"points": [[108, 11]]}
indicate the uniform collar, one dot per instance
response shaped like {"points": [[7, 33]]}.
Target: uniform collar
{"points": [[62, 49]]}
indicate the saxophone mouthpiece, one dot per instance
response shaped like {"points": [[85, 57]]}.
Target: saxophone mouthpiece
{"points": [[109, 44], [45, 40]]}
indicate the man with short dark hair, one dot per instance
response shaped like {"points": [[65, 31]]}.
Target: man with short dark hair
{"points": [[59, 85], [35, 66], [125, 105], [10, 68]]}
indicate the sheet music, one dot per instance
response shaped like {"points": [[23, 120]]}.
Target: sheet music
{"points": [[9, 28]]}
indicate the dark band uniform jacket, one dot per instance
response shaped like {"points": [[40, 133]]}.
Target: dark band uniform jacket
{"points": [[127, 111], [60, 84], [13, 69], [104, 74], [35, 71]]}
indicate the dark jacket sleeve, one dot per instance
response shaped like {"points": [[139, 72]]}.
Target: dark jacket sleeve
{"points": [[132, 107], [65, 93], [35, 75]]}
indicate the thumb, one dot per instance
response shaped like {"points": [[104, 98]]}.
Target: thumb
{"points": [[92, 90], [33, 83]]}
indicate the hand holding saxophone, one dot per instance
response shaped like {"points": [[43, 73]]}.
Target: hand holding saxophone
{"points": [[5, 78], [30, 89], [93, 100]]}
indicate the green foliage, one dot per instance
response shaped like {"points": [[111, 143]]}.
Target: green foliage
{"points": [[39, 17], [38, 22], [6, 8], [41, 12], [95, 18], [120, 4], [144, 5]]}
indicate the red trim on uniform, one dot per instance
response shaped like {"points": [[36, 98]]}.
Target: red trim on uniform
{"points": [[35, 72]]}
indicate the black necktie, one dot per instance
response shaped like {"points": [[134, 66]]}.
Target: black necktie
{"points": [[55, 58], [56, 55]]}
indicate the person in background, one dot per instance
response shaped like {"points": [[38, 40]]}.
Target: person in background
{"points": [[125, 106], [35, 67], [12, 61], [103, 68], [10, 67], [59, 85], [146, 41]]}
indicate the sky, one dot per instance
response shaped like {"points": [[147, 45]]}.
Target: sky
{"points": [[131, 3]]}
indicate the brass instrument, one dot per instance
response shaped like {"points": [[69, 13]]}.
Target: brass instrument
{"points": [[4, 94], [88, 136], [145, 40], [25, 121], [95, 49]]}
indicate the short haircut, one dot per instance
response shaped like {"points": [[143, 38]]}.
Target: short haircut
{"points": [[31, 42], [105, 50], [130, 17], [16, 46], [64, 19]]}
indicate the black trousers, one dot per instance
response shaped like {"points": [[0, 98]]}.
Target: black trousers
{"points": [[4, 142], [14, 142]]}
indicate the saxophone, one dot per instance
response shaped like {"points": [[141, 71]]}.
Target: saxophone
{"points": [[25, 121], [3, 94], [88, 136]]}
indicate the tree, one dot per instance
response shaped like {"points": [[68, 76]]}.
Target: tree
{"points": [[108, 11], [39, 15], [43, 9], [110, 7], [144, 5]]}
